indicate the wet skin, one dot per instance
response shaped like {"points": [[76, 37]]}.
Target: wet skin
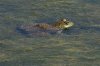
{"points": [[44, 28]]}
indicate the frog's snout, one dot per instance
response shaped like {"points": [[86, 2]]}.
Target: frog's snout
{"points": [[70, 24]]}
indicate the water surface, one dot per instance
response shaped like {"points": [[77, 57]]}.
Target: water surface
{"points": [[78, 46]]}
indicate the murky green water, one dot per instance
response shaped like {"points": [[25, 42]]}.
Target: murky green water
{"points": [[79, 46]]}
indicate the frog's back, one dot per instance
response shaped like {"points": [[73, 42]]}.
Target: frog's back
{"points": [[37, 29]]}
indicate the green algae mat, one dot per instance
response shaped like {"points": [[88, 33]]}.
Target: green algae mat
{"points": [[78, 46]]}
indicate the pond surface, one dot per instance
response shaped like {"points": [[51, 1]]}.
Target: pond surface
{"points": [[78, 46]]}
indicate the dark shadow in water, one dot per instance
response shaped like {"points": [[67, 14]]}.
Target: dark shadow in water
{"points": [[35, 33], [22, 32]]}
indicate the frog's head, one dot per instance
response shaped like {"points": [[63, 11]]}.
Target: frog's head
{"points": [[64, 24]]}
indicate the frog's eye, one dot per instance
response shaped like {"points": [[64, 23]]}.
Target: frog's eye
{"points": [[64, 20]]}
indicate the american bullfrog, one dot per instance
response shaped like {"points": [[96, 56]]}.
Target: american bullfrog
{"points": [[45, 28]]}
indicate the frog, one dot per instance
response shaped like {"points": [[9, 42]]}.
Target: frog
{"points": [[45, 28]]}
